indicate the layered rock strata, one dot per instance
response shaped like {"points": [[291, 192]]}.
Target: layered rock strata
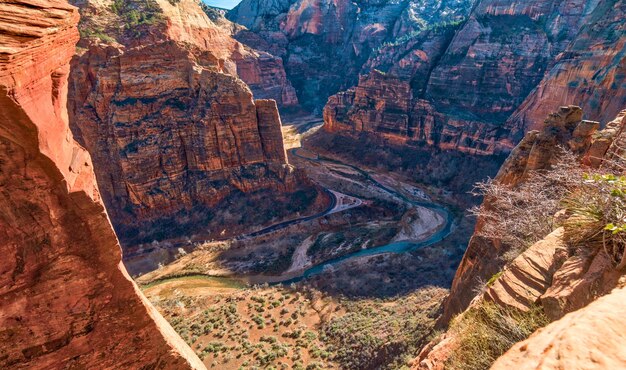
{"points": [[66, 300], [172, 131], [537, 151], [506, 67], [572, 286], [326, 45], [590, 338]]}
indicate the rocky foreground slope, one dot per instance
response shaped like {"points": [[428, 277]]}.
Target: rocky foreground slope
{"points": [[66, 300], [572, 277], [174, 133], [537, 151]]}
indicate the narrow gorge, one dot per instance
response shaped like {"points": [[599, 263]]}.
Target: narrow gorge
{"points": [[312, 184]]}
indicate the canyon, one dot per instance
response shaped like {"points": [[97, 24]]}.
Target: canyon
{"points": [[467, 76], [176, 135], [312, 184], [66, 299]]}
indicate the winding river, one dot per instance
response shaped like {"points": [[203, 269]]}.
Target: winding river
{"points": [[395, 247]]}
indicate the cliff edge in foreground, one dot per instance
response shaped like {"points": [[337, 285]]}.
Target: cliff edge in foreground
{"points": [[66, 300]]}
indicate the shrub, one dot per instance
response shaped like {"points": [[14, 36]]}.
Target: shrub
{"points": [[487, 330], [522, 215], [597, 216]]}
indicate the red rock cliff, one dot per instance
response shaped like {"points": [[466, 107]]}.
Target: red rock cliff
{"points": [[172, 130], [66, 300], [463, 91], [326, 44], [537, 151], [589, 73]]}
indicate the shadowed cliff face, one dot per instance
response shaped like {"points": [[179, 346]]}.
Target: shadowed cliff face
{"points": [[566, 277], [481, 78], [591, 72], [66, 300], [172, 130], [325, 45]]}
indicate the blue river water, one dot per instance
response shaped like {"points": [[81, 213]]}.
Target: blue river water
{"points": [[396, 247]]}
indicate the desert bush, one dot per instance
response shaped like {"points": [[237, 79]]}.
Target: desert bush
{"points": [[521, 215], [597, 216], [487, 330]]}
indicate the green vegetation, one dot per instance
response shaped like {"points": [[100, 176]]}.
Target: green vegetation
{"points": [[264, 327], [594, 204], [494, 278], [137, 15], [442, 27], [380, 334], [95, 33], [214, 14], [597, 212], [522, 215], [487, 330]]}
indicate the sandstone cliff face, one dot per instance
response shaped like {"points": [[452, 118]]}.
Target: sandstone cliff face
{"points": [[464, 90], [185, 21], [66, 300], [326, 44], [171, 130], [589, 73], [561, 279], [591, 338], [537, 151]]}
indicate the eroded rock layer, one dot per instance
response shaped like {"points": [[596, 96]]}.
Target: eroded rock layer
{"points": [[326, 44], [571, 283], [537, 151], [591, 338], [172, 130], [476, 90], [66, 300]]}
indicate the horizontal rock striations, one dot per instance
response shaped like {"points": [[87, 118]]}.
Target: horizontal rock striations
{"points": [[479, 89], [590, 338], [568, 280], [66, 300], [325, 45], [589, 73], [537, 151], [172, 131]]}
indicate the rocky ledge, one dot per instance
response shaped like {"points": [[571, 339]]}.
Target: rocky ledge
{"points": [[66, 300]]}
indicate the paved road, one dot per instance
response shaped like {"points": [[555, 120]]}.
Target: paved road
{"points": [[284, 224]]}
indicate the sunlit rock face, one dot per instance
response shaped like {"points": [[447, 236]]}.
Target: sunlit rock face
{"points": [[66, 300], [574, 287], [172, 130], [538, 151], [589, 73], [598, 328], [326, 45], [479, 90]]}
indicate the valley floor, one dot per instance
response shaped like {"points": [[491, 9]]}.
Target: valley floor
{"points": [[361, 282]]}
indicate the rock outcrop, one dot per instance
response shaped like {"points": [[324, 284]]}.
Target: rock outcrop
{"points": [[529, 275], [590, 338], [476, 90], [66, 300], [537, 151], [555, 275], [326, 45], [589, 73], [172, 131]]}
